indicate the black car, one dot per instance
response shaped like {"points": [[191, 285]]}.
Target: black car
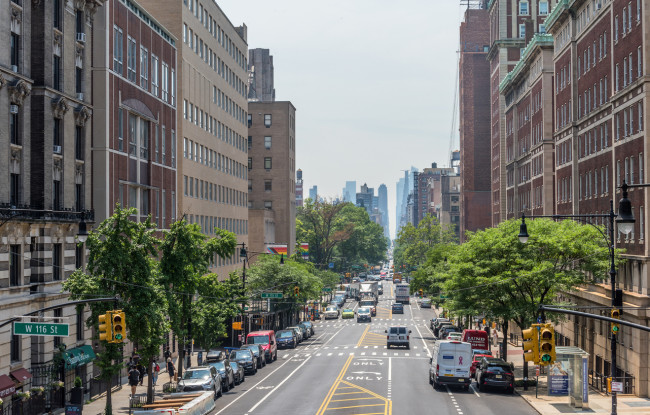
{"points": [[246, 359], [286, 339], [219, 360], [306, 333], [310, 326], [238, 370], [258, 352], [495, 372], [397, 308]]}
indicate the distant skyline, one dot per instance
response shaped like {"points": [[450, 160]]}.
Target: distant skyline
{"points": [[371, 96]]}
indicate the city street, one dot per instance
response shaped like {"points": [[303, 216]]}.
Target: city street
{"points": [[345, 368]]}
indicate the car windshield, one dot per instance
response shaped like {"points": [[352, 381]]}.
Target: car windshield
{"points": [[196, 374], [258, 340], [218, 365], [499, 368], [396, 330], [363, 311], [240, 354], [233, 365], [347, 310], [252, 348], [331, 309], [285, 333]]}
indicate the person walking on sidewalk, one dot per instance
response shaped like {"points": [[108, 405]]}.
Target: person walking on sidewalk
{"points": [[167, 353], [134, 378], [170, 369], [156, 372]]}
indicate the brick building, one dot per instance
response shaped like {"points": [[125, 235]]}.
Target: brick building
{"points": [[474, 85], [45, 130]]}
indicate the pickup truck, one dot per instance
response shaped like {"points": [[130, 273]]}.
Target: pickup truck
{"points": [[331, 312]]}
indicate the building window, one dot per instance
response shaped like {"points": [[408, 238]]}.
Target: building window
{"points": [[56, 72], [250, 120], [543, 7], [522, 31], [268, 204], [16, 355], [250, 142], [79, 196], [144, 68], [164, 80], [79, 143], [58, 312], [133, 120], [120, 129], [523, 8], [154, 75], [118, 51], [267, 142], [56, 11], [15, 48], [78, 75], [250, 163], [15, 196], [267, 185], [173, 87], [131, 66], [144, 139], [80, 325], [14, 124], [267, 163], [56, 135], [15, 258], [56, 262], [267, 120]]}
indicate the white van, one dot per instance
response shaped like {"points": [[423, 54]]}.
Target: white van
{"points": [[450, 364]]}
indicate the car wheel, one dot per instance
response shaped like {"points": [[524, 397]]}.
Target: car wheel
{"points": [[215, 393], [466, 388], [511, 390], [275, 357], [220, 390], [408, 346], [435, 384], [430, 380], [255, 370], [226, 386], [478, 386], [232, 385]]}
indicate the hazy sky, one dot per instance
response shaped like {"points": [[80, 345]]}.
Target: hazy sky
{"points": [[372, 82]]}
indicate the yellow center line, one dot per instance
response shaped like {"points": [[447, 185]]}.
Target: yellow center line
{"points": [[352, 399], [328, 398], [347, 393], [355, 406], [363, 335]]}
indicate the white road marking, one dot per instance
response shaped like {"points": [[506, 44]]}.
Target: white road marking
{"points": [[277, 387]]}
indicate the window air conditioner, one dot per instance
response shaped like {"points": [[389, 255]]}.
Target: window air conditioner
{"points": [[80, 96], [81, 37], [13, 109], [57, 149], [14, 68]]}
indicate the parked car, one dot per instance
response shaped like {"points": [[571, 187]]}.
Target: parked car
{"points": [[298, 331], [476, 360], [266, 339], [436, 321], [331, 312], [363, 314], [246, 359], [397, 308], [495, 372], [310, 325], [258, 352], [398, 336], [446, 329], [454, 335], [202, 378], [450, 364], [481, 351], [477, 338], [305, 331], [286, 338], [225, 370], [347, 313], [425, 303], [238, 370]]}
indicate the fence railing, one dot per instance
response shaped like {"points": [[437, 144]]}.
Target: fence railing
{"points": [[514, 339], [97, 386], [598, 381]]}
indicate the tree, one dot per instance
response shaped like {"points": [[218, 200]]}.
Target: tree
{"points": [[320, 224], [186, 256], [432, 275], [413, 243], [496, 275], [121, 262], [366, 243]]}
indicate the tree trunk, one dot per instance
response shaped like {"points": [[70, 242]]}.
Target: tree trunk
{"points": [[109, 393], [504, 345], [150, 382]]}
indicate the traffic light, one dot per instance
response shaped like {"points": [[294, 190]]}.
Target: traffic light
{"points": [[119, 326], [296, 291], [616, 313], [530, 344], [421, 293], [547, 344], [105, 327]]}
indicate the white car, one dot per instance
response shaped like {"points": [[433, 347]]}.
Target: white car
{"points": [[454, 335], [331, 312]]}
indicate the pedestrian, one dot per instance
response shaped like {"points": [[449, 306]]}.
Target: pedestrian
{"points": [[156, 372], [140, 369], [134, 378], [135, 356], [170, 369]]}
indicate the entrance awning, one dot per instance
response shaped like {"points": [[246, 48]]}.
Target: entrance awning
{"points": [[7, 386], [21, 375], [78, 356]]}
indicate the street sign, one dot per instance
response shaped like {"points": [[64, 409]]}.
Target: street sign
{"points": [[539, 320], [41, 329], [272, 295], [331, 265], [327, 289], [236, 325], [617, 386]]}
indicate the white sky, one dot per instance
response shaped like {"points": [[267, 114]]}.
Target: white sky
{"points": [[372, 82]]}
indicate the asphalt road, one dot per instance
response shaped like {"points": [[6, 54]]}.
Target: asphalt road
{"points": [[345, 368]]}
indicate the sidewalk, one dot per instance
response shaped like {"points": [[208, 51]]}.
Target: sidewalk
{"points": [[544, 404], [120, 397]]}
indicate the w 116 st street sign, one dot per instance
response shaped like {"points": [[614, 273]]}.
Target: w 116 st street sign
{"points": [[41, 329], [271, 295]]}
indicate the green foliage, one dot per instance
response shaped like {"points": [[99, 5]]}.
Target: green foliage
{"points": [[217, 303], [414, 243], [366, 243], [267, 274], [495, 275]]}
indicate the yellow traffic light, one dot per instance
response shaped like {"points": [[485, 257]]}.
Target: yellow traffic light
{"points": [[547, 344], [530, 344], [616, 328], [119, 326], [421, 293], [105, 327], [296, 291]]}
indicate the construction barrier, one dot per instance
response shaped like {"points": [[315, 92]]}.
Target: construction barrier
{"points": [[198, 406]]}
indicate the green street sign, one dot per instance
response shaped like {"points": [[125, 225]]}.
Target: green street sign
{"points": [[327, 290], [41, 329], [272, 295]]}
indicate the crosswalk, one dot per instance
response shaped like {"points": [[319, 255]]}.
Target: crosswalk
{"points": [[375, 321], [379, 351]]}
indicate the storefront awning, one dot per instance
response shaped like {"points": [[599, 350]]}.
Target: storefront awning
{"points": [[7, 386], [78, 356], [21, 375]]}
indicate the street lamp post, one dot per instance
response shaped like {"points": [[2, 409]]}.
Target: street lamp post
{"points": [[625, 222]]}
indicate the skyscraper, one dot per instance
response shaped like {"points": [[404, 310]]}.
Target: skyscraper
{"points": [[313, 193], [382, 195], [350, 191], [260, 69]]}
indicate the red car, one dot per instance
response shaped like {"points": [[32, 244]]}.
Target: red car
{"points": [[476, 360]]}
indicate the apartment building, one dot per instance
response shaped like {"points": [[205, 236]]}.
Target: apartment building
{"points": [[271, 174], [45, 131], [599, 58], [474, 93], [212, 126], [529, 161], [512, 22], [134, 98]]}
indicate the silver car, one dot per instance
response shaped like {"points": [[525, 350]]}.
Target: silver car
{"points": [[203, 378], [298, 331]]}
